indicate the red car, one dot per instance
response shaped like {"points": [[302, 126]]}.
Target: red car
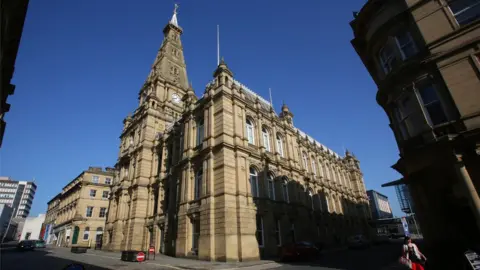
{"points": [[300, 250]]}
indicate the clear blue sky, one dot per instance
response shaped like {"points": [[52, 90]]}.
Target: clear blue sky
{"points": [[81, 64]]}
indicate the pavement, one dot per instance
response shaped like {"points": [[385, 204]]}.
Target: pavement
{"points": [[52, 258]]}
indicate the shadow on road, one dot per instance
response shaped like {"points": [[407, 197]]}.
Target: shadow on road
{"points": [[39, 259], [374, 258]]}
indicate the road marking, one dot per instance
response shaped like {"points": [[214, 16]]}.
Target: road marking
{"points": [[165, 265], [157, 264], [259, 266]]}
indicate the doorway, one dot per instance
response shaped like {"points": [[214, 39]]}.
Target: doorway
{"points": [[76, 231]]}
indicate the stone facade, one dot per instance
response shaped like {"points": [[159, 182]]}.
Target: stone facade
{"points": [[424, 58], [78, 213], [224, 177]]}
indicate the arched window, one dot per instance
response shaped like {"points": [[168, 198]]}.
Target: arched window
{"points": [[250, 132], [271, 186], [314, 168], [86, 233], [198, 184], [266, 139], [279, 145], [253, 182], [305, 161], [285, 190], [200, 131]]}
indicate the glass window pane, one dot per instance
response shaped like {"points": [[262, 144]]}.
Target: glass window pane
{"points": [[428, 94], [436, 113], [465, 11]]}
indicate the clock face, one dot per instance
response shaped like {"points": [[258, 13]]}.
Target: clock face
{"points": [[175, 98]]}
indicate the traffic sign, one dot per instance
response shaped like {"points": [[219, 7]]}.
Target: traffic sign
{"points": [[140, 256], [151, 249]]}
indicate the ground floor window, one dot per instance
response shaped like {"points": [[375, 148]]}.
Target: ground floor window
{"points": [[292, 232], [259, 234], [278, 234], [195, 234], [86, 233]]}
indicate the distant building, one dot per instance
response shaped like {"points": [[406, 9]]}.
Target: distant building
{"points": [[76, 216], [403, 195], [13, 15], [32, 228], [379, 205], [51, 217], [5, 216], [18, 195]]}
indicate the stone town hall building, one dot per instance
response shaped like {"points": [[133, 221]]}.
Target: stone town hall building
{"points": [[222, 176]]}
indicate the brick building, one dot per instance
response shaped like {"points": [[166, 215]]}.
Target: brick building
{"points": [[424, 58], [223, 176]]}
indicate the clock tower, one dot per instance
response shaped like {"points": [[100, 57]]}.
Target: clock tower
{"points": [[167, 81], [160, 104]]}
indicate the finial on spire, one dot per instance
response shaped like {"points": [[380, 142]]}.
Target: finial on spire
{"points": [[174, 20]]}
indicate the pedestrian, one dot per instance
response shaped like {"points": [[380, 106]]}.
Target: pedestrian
{"points": [[412, 255]]}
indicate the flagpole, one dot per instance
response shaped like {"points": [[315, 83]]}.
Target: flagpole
{"points": [[218, 44]]}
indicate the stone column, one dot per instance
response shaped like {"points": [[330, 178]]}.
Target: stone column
{"points": [[470, 191]]}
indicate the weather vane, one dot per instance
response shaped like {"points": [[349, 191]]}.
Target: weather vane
{"points": [[175, 9]]}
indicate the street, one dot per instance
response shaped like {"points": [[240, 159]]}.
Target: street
{"points": [[376, 257]]}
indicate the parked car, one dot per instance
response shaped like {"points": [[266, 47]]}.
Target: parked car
{"points": [[358, 241], [40, 244], [300, 250], [26, 245]]}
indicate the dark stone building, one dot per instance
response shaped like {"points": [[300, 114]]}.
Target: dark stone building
{"points": [[424, 59]]}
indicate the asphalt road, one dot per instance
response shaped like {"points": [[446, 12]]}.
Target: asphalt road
{"points": [[374, 258]]}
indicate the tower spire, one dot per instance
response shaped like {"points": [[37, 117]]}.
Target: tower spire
{"points": [[174, 20]]}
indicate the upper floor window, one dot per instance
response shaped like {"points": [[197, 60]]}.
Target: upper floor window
{"points": [[408, 112], [253, 182], [305, 161], [280, 145], [271, 186], [250, 132], [387, 58], [108, 181], [200, 131], [93, 193], [89, 211], [403, 45], [432, 105], [95, 179], [266, 139], [314, 168], [465, 11], [198, 184], [406, 45], [105, 194], [103, 212]]}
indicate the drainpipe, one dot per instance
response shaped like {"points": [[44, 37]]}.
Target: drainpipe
{"points": [[471, 192]]}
